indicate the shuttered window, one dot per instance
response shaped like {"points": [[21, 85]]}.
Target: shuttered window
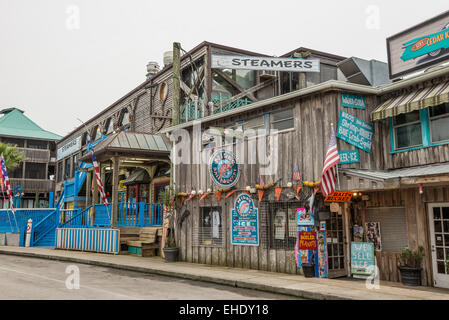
{"points": [[393, 227]]}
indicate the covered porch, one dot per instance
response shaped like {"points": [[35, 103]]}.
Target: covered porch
{"points": [[134, 169]]}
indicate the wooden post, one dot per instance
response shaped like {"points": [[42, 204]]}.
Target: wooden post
{"points": [[302, 75], [176, 82], [88, 185], [115, 172]]}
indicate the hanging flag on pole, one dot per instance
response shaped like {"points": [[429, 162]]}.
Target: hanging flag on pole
{"points": [[330, 165], [99, 183], [8, 186]]}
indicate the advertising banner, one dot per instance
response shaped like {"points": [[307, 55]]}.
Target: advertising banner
{"points": [[307, 240], [224, 169], [362, 258], [352, 101], [419, 47], [350, 156], [322, 254], [304, 217], [244, 222], [220, 61], [339, 197], [355, 131]]}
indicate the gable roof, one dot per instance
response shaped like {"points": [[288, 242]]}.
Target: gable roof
{"points": [[15, 124]]}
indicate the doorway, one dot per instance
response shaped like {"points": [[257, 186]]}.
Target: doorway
{"points": [[439, 240]]}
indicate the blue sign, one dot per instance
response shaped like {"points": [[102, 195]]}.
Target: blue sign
{"points": [[304, 217], [351, 156], [352, 101], [355, 131], [224, 169], [245, 222], [362, 258]]}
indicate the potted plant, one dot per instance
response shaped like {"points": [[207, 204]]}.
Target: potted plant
{"points": [[308, 269], [410, 266], [170, 249]]}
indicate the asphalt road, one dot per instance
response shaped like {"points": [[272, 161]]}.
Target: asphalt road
{"points": [[29, 278]]}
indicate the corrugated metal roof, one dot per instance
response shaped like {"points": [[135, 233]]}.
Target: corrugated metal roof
{"points": [[14, 123], [400, 173]]}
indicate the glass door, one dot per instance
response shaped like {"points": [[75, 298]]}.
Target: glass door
{"points": [[439, 235], [335, 245]]}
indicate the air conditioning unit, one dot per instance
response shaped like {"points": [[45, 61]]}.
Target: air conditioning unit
{"points": [[265, 74]]}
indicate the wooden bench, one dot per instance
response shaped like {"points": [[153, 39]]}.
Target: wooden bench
{"points": [[147, 244]]}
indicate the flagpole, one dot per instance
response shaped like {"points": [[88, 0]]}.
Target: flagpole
{"points": [[338, 176]]}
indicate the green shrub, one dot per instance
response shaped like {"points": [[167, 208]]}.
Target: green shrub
{"points": [[412, 259]]}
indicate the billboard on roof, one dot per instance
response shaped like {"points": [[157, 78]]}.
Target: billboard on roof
{"points": [[419, 47]]}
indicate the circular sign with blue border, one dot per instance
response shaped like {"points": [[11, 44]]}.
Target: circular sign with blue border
{"points": [[224, 169]]}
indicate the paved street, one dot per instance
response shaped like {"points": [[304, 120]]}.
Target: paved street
{"points": [[30, 278]]}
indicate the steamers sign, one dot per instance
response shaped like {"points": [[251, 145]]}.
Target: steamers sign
{"points": [[265, 63]]}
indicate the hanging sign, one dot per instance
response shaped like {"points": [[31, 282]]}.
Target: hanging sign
{"points": [[67, 149], [306, 240], [352, 101], [224, 169], [350, 156], [220, 61], [362, 258], [244, 222], [304, 217], [338, 197], [355, 131]]}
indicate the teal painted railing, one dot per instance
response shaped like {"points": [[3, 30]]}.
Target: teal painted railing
{"points": [[140, 214], [22, 216], [79, 219], [43, 227]]}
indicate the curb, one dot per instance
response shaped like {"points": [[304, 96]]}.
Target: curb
{"points": [[305, 294]]}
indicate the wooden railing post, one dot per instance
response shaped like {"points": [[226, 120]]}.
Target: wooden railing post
{"points": [[141, 214]]}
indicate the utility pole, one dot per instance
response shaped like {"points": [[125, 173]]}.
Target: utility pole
{"points": [[176, 82], [302, 75]]}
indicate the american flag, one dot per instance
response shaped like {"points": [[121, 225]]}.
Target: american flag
{"points": [[297, 174], [7, 184], [99, 183], [260, 180], [329, 168]]}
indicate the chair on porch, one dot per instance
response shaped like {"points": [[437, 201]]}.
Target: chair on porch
{"points": [[148, 243]]}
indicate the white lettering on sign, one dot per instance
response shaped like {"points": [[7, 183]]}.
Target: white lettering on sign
{"points": [[69, 148], [265, 63]]}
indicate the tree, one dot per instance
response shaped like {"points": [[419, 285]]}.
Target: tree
{"points": [[12, 156]]}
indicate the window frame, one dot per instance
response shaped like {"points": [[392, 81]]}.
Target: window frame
{"points": [[394, 127], [430, 118]]}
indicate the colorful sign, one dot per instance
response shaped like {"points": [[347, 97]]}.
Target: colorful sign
{"points": [[362, 258], [307, 240], [69, 148], [352, 101], [322, 253], [224, 169], [338, 197], [419, 47], [373, 234], [322, 225], [355, 131], [349, 156], [304, 217], [220, 61], [303, 256], [244, 222]]}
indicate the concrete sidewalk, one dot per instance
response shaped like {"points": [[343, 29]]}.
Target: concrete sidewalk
{"points": [[294, 285]]}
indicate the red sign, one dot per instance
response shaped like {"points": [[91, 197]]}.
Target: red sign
{"points": [[307, 240]]}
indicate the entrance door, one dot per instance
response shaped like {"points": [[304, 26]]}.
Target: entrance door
{"points": [[439, 235], [335, 245]]}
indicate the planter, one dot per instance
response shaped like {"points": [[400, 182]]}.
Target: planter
{"points": [[171, 254], [309, 270], [410, 276]]}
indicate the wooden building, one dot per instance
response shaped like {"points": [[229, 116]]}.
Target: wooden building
{"points": [[33, 181]]}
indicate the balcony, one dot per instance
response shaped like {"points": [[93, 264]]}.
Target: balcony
{"points": [[35, 155], [33, 185]]}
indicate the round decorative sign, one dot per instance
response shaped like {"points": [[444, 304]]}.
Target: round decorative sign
{"points": [[244, 205], [224, 169]]}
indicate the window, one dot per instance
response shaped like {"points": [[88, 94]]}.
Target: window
{"points": [[18, 142], [283, 225], [407, 130], [60, 170], [36, 144], [124, 117], [109, 126], [35, 171], [67, 168], [439, 123], [97, 133], [282, 120], [210, 226], [75, 164], [17, 172]]}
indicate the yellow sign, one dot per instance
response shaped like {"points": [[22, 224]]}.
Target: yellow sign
{"points": [[339, 197]]}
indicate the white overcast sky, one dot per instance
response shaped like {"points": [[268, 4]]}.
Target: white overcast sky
{"points": [[58, 72]]}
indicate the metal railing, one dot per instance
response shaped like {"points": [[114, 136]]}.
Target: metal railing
{"points": [[43, 227], [140, 214]]}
